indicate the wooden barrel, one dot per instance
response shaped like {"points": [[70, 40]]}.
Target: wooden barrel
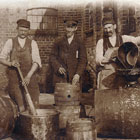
{"points": [[44, 126], [67, 94], [117, 113], [80, 129], [8, 115], [67, 112]]}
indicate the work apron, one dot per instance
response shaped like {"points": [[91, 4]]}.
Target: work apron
{"points": [[16, 90], [109, 69]]}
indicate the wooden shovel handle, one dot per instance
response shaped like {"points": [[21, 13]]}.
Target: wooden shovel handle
{"points": [[27, 95]]}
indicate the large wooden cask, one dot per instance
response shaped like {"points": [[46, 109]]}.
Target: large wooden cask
{"points": [[8, 115], [3, 78], [80, 129], [117, 113], [67, 94], [44, 126]]}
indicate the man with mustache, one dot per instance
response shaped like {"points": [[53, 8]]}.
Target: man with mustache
{"points": [[68, 58], [22, 51], [106, 51]]}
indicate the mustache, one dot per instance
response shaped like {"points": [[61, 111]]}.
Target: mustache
{"points": [[108, 32]]}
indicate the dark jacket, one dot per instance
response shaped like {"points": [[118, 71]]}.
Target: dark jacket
{"points": [[72, 57]]}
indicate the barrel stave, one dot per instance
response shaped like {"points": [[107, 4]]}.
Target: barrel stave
{"points": [[80, 129], [8, 115], [117, 112]]}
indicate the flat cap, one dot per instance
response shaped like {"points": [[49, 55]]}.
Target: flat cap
{"points": [[23, 23], [108, 21], [71, 22]]}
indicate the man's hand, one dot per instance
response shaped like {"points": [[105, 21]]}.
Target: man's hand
{"points": [[114, 53], [75, 79], [62, 71], [105, 61], [26, 81], [15, 63]]}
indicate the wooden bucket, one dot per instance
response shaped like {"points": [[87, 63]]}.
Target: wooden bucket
{"points": [[80, 129], [67, 94], [67, 112], [44, 126], [8, 114], [117, 113]]}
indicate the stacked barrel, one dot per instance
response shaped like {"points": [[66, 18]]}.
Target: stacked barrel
{"points": [[67, 101]]}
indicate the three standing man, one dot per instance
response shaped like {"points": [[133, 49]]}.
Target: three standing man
{"points": [[68, 58]]}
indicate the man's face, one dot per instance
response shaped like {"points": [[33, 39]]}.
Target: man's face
{"points": [[70, 30], [23, 32], [109, 29]]}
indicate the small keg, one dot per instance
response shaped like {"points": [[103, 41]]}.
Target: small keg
{"points": [[80, 129], [67, 94]]}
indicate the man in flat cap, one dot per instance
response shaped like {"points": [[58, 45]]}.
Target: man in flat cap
{"points": [[22, 51], [106, 51], [68, 58]]}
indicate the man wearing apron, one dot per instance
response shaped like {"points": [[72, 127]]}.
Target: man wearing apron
{"points": [[22, 51], [106, 51]]}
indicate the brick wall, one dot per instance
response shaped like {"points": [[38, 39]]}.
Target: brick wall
{"points": [[84, 14], [8, 18], [72, 13], [127, 17]]}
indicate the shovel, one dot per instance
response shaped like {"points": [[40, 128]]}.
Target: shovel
{"points": [[27, 95]]}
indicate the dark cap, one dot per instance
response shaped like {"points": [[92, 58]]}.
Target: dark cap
{"points": [[108, 21], [71, 22], [23, 23]]}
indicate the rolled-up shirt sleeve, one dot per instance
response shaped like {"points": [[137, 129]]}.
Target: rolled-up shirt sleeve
{"points": [[127, 38], [5, 53], [35, 54], [99, 52]]}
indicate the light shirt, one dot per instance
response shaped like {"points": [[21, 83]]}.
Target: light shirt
{"points": [[138, 40], [99, 48], [5, 53], [70, 39]]}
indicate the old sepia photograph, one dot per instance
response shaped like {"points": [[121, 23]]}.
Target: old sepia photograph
{"points": [[69, 70]]}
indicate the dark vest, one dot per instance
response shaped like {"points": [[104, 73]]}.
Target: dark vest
{"points": [[107, 44], [22, 55]]}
